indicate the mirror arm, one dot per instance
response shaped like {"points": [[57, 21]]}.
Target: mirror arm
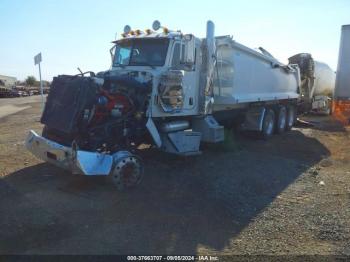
{"points": [[111, 52]]}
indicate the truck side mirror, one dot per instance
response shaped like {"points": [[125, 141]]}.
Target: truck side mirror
{"points": [[188, 58]]}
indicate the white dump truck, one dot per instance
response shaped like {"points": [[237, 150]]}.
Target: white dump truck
{"points": [[165, 88]]}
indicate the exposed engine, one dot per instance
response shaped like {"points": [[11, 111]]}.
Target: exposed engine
{"points": [[97, 114]]}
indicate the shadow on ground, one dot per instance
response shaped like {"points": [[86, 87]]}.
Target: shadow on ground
{"points": [[183, 204]]}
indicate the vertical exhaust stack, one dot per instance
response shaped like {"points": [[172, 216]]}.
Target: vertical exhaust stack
{"points": [[210, 38], [341, 104], [209, 66]]}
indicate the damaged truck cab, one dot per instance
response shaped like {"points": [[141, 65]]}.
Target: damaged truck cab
{"points": [[157, 91], [172, 63]]}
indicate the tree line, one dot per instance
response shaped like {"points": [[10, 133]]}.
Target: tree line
{"points": [[32, 81]]}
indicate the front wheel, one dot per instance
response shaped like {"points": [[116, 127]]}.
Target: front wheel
{"points": [[127, 171]]}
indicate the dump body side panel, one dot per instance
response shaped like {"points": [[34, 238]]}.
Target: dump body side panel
{"points": [[247, 76]]}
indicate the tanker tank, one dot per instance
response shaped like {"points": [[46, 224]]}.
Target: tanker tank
{"points": [[324, 82], [317, 84]]}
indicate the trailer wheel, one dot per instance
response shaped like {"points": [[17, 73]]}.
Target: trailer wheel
{"points": [[268, 124], [281, 120], [291, 117]]}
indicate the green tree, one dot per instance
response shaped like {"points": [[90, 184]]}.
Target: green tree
{"points": [[30, 81]]}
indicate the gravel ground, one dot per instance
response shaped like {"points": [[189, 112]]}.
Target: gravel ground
{"points": [[288, 195]]}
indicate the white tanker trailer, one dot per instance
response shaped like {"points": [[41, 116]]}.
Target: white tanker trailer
{"points": [[324, 85], [165, 88]]}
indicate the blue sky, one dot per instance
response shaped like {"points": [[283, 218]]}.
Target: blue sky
{"points": [[78, 33]]}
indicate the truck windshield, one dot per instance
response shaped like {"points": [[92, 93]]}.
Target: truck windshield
{"points": [[141, 52]]}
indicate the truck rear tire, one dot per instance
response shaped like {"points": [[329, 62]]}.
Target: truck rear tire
{"points": [[268, 125], [291, 117], [281, 119]]}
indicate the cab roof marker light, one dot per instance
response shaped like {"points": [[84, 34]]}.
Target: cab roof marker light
{"points": [[156, 25], [127, 29], [138, 32]]}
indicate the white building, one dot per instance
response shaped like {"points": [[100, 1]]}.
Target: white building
{"points": [[7, 81]]}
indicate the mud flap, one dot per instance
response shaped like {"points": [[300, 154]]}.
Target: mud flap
{"points": [[254, 119]]}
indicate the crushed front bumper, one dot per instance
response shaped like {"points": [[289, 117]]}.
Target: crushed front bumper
{"points": [[76, 161]]}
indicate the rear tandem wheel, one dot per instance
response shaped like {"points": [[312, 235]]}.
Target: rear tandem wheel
{"points": [[268, 125]]}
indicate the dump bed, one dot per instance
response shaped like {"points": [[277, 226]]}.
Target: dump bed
{"points": [[245, 75]]}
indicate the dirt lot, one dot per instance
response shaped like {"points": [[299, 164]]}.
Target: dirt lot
{"points": [[10, 106], [290, 195]]}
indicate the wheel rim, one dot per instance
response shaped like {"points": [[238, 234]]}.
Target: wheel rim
{"points": [[127, 173]]}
